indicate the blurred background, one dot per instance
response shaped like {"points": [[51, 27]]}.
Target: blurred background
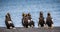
{"points": [[17, 7]]}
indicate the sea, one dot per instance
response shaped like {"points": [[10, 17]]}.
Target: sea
{"points": [[17, 7]]}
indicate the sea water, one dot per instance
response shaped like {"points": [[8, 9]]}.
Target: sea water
{"points": [[17, 7]]}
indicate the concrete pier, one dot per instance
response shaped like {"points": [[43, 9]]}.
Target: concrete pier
{"points": [[21, 29]]}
